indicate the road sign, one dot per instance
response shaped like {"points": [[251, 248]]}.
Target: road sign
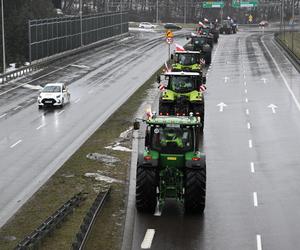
{"points": [[244, 4], [169, 40], [169, 34], [219, 4]]}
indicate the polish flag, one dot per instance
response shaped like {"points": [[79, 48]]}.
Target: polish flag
{"points": [[201, 24], [205, 20], [202, 88], [179, 47], [202, 61], [161, 87]]}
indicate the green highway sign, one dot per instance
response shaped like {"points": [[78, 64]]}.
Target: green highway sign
{"points": [[244, 4], [219, 4]]}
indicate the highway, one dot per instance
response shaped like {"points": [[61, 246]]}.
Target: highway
{"points": [[251, 140], [35, 143]]}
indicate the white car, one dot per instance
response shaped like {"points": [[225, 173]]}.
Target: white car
{"points": [[54, 94], [146, 25]]}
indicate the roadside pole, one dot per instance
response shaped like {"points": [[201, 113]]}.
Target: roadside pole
{"points": [[3, 43], [80, 14], [169, 41]]}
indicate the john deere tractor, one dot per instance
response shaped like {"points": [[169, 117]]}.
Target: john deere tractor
{"points": [[187, 61], [203, 44], [182, 94], [170, 164]]}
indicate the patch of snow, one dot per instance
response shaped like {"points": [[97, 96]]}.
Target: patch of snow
{"points": [[103, 158], [125, 134], [100, 177], [119, 148], [35, 87]]}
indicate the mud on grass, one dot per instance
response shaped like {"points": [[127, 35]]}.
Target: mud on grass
{"points": [[70, 179]]}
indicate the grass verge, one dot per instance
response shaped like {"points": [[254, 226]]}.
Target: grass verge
{"points": [[292, 41], [70, 179]]}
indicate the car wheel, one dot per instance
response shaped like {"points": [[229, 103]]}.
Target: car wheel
{"points": [[40, 106]]}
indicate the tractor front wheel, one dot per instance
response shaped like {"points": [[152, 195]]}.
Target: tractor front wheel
{"points": [[195, 190], [146, 183]]}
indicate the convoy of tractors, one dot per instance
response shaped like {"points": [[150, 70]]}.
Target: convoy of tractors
{"points": [[171, 162]]}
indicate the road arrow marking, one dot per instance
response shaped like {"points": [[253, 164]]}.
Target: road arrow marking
{"points": [[226, 78], [264, 80], [221, 105], [273, 107]]}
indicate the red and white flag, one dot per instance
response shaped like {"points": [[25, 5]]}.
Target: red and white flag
{"points": [[201, 24], [179, 47], [202, 61], [161, 87], [202, 88]]}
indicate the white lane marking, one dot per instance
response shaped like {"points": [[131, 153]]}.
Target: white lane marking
{"points": [[77, 100], [221, 105], [1, 116], [91, 91], [31, 100], [15, 144], [250, 143], [248, 125], [226, 78], [246, 91], [244, 76], [273, 107], [282, 76], [245, 83], [157, 210], [246, 100], [60, 112], [80, 66], [258, 242], [252, 167], [264, 80], [247, 111], [255, 203], [39, 127], [147, 242], [18, 107]]}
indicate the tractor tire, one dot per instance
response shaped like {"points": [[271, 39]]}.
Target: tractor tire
{"points": [[195, 190], [146, 183], [208, 59]]}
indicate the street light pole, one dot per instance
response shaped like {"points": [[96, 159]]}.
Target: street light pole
{"points": [[156, 11], [3, 41], [184, 11], [80, 14]]}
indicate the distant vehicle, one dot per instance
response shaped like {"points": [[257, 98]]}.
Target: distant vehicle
{"points": [[53, 95], [228, 27], [59, 12], [172, 26], [263, 23], [145, 25]]}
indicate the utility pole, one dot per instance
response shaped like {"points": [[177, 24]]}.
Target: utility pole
{"points": [[184, 11], [80, 15], [121, 17], [3, 41]]}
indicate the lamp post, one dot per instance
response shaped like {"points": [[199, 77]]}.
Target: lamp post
{"points": [[3, 41], [80, 15], [156, 11], [184, 11]]}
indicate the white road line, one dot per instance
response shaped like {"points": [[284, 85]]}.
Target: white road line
{"points": [[252, 167], [91, 91], [250, 144], [282, 76], [248, 125], [39, 127], [77, 100], [15, 144], [60, 112], [246, 100], [147, 242], [244, 76], [247, 111], [258, 242], [1, 116], [255, 203], [245, 83], [18, 107], [246, 91]]}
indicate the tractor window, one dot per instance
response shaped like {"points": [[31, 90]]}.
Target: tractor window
{"points": [[182, 84], [172, 139], [187, 59], [198, 41]]}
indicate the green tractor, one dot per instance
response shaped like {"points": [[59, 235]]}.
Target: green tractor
{"points": [[182, 94], [189, 61], [170, 164], [201, 43]]}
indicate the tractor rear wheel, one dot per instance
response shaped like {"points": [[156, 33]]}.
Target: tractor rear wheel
{"points": [[146, 183], [195, 190]]}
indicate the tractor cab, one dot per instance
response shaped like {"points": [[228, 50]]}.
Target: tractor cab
{"points": [[187, 61]]}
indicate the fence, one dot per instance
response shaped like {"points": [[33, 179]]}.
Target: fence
{"points": [[289, 33], [51, 36]]}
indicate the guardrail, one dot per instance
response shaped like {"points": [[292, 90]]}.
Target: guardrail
{"points": [[34, 240], [293, 58], [46, 61], [88, 221]]}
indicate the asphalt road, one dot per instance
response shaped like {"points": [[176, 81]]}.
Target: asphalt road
{"points": [[252, 139], [35, 143]]}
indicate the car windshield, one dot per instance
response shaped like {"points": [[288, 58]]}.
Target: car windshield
{"points": [[51, 89], [186, 59], [182, 84], [172, 138]]}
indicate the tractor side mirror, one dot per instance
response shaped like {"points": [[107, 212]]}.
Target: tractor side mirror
{"points": [[172, 56], [158, 79], [136, 125]]}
